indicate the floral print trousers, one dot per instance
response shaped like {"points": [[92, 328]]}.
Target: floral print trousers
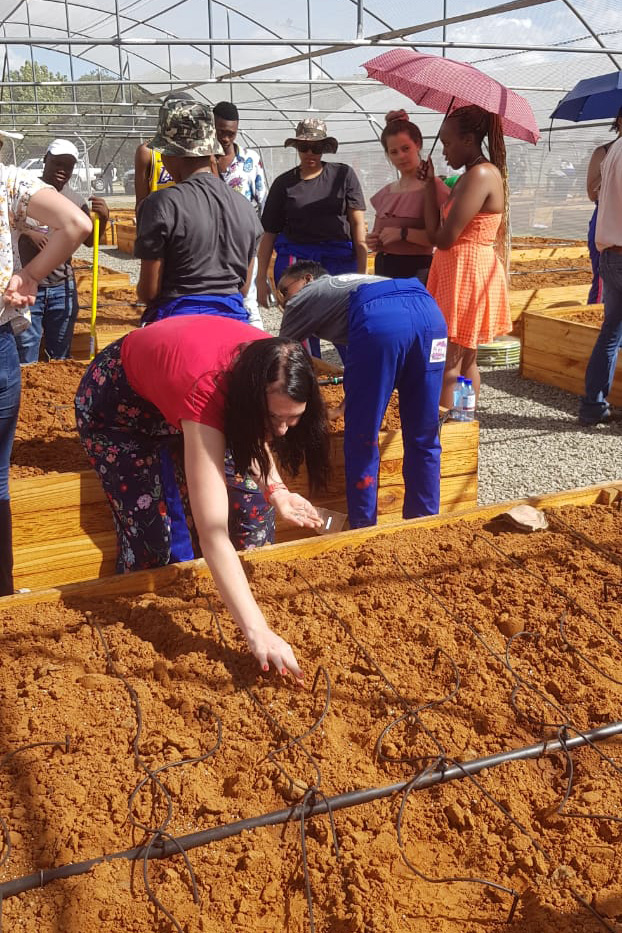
{"points": [[123, 436]]}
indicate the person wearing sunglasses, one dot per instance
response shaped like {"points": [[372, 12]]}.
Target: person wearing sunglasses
{"points": [[315, 211]]}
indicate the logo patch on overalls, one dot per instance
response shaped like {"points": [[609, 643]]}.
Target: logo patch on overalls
{"points": [[438, 350]]}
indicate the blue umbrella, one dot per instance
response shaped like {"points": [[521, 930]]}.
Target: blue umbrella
{"points": [[592, 99]]}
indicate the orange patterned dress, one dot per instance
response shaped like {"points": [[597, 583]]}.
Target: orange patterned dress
{"points": [[469, 285]]}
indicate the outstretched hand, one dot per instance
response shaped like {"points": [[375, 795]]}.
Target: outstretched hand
{"points": [[269, 648], [295, 509], [21, 292]]}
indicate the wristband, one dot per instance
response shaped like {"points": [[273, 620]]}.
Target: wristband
{"points": [[274, 487]]}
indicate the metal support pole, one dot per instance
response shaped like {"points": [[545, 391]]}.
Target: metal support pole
{"points": [[70, 50], [310, 62], [210, 26], [118, 39], [33, 66]]}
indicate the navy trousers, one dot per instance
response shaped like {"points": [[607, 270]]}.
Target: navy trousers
{"points": [[397, 340], [595, 292]]}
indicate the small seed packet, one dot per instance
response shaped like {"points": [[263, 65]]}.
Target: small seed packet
{"points": [[332, 522]]}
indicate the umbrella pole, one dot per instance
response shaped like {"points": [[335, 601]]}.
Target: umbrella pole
{"points": [[95, 284], [451, 103]]}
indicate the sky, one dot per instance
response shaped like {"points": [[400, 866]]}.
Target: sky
{"points": [[545, 24]]}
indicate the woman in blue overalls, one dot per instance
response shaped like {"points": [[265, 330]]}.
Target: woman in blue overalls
{"points": [[396, 338]]}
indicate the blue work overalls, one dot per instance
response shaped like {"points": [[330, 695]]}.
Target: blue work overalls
{"points": [[397, 340]]}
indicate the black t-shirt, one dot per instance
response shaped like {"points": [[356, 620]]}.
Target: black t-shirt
{"points": [[315, 210], [205, 233]]}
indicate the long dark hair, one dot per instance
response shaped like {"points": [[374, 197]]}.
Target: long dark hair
{"points": [[257, 366]]}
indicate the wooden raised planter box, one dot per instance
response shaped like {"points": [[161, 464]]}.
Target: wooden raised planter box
{"points": [[545, 299], [150, 581], [117, 216], [126, 237], [556, 350], [63, 530], [106, 278]]}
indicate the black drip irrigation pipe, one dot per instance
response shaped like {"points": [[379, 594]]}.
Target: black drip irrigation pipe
{"points": [[327, 804]]}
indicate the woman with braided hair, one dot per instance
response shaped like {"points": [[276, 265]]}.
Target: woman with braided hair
{"points": [[467, 276]]}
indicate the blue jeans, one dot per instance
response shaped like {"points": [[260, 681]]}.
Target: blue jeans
{"points": [[10, 387], [53, 315], [601, 367], [397, 340]]}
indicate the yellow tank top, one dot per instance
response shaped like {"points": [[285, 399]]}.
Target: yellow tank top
{"points": [[158, 177]]}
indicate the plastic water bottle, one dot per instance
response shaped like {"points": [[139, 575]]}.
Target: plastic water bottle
{"points": [[456, 411], [468, 401]]}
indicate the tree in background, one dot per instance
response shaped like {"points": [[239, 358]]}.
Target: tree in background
{"points": [[68, 111]]}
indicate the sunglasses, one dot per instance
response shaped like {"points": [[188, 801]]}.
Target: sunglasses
{"points": [[315, 148]]}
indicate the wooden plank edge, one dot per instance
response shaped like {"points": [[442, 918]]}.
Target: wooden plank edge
{"points": [[150, 581]]}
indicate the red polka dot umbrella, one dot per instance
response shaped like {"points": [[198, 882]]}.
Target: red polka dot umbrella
{"points": [[443, 85]]}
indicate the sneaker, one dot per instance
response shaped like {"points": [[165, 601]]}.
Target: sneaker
{"points": [[607, 418]]}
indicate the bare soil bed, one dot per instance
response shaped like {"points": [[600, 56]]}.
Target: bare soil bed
{"points": [[535, 242], [551, 273], [415, 624], [116, 307], [589, 316], [46, 438]]}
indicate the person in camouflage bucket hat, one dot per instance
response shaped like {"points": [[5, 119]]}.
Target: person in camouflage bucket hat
{"points": [[196, 241], [314, 131], [186, 128]]}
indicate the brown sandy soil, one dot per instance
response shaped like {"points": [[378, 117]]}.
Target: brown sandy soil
{"points": [[64, 807], [554, 272], [110, 316], [46, 438], [588, 317], [333, 396], [115, 307], [520, 242]]}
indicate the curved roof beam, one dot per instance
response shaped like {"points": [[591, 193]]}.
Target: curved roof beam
{"points": [[392, 34], [593, 34], [83, 56], [245, 16]]}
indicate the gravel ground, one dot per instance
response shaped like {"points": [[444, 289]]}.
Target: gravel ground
{"points": [[530, 440]]}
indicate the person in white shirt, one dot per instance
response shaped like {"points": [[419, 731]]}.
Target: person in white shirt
{"points": [[55, 310], [23, 196]]}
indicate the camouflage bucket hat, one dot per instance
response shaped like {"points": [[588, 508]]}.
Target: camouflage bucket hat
{"points": [[186, 128], [313, 131]]}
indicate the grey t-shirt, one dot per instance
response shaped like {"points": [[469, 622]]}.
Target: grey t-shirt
{"points": [[321, 307]]}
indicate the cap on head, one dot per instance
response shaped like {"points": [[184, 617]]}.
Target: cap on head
{"points": [[60, 147], [177, 95], [313, 130], [226, 110], [185, 128], [6, 134]]}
